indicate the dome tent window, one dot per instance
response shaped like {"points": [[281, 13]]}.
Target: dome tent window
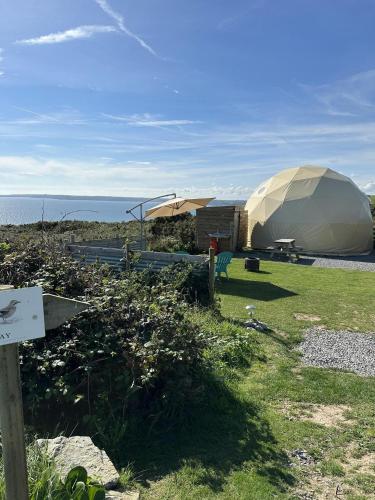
{"points": [[323, 210]]}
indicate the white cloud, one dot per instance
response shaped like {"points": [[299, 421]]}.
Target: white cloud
{"points": [[80, 32], [104, 5], [147, 120], [369, 187], [94, 170]]}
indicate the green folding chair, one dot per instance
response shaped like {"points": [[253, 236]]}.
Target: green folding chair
{"points": [[222, 261]]}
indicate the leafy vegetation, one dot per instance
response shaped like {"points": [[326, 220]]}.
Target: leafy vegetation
{"points": [[41, 473], [76, 486], [132, 353], [170, 234], [83, 230], [45, 483], [186, 400]]}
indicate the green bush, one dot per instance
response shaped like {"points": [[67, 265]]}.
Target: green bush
{"points": [[131, 353], [167, 244], [189, 280], [169, 234]]}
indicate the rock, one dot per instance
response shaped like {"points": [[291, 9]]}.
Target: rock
{"points": [[80, 450], [302, 457], [118, 495]]}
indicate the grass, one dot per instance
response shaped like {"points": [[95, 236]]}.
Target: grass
{"points": [[237, 443], [41, 473], [343, 299]]}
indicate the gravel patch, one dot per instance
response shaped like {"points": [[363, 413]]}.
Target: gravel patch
{"points": [[359, 263], [350, 351], [356, 263]]}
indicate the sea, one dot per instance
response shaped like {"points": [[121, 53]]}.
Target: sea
{"points": [[28, 209]]}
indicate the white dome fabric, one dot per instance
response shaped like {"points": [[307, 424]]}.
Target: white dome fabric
{"points": [[324, 211]]}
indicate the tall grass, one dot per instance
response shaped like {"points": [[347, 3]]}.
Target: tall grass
{"points": [[42, 474]]}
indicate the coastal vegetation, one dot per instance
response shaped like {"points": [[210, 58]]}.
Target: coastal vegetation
{"points": [[186, 400]]}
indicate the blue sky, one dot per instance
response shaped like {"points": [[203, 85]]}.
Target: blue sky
{"points": [[210, 97]]}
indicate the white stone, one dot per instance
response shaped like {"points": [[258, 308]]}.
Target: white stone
{"points": [[80, 450]]}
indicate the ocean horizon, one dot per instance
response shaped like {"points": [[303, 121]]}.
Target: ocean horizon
{"points": [[28, 208]]}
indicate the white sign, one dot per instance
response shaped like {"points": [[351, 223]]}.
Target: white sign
{"points": [[21, 315]]}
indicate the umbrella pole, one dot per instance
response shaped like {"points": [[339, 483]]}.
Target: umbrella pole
{"points": [[142, 220]]}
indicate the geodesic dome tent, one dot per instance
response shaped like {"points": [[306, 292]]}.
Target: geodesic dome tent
{"points": [[324, 211]]}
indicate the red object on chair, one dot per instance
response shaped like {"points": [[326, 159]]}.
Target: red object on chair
{"points": [[214, 244]]}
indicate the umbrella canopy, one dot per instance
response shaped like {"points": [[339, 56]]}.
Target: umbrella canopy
{"points": [[177, 206]]}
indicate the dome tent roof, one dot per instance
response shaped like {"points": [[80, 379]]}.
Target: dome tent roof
{"points": [[322, 209]]}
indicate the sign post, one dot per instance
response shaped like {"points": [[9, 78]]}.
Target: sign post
{"points": [[25, 314]]}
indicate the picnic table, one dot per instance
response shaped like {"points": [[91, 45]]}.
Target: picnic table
{"points": [[287, 247]]}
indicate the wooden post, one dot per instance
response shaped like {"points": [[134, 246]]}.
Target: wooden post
{"points": [[11, 420], [56, 310], [72, 238], [211, 275]]}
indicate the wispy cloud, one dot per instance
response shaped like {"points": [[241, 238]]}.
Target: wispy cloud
{"points": [[1, 60], [104, 5], [148, 120], [64, 117], [78, 33], [93, 175], [351, 96]]}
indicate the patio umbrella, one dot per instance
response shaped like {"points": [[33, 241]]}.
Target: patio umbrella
{"points": [[176, 206]]}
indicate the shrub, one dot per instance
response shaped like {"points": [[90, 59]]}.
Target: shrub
{"points": [[168, 234], [132, 350], [190, 280], [4, 249]]}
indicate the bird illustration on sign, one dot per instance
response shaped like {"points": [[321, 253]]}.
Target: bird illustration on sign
{"points": [[9, 311]]}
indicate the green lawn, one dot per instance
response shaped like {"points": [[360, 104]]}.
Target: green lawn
{"points": [[342, 298], [236, 445]]}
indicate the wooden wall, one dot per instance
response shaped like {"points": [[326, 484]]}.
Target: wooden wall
{"points": [[226, 219]]}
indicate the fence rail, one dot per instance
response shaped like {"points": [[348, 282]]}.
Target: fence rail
{"points": [[116, 258]]}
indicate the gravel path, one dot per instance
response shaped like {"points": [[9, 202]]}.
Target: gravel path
{"points": [[350, 351], [359, 263]]}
